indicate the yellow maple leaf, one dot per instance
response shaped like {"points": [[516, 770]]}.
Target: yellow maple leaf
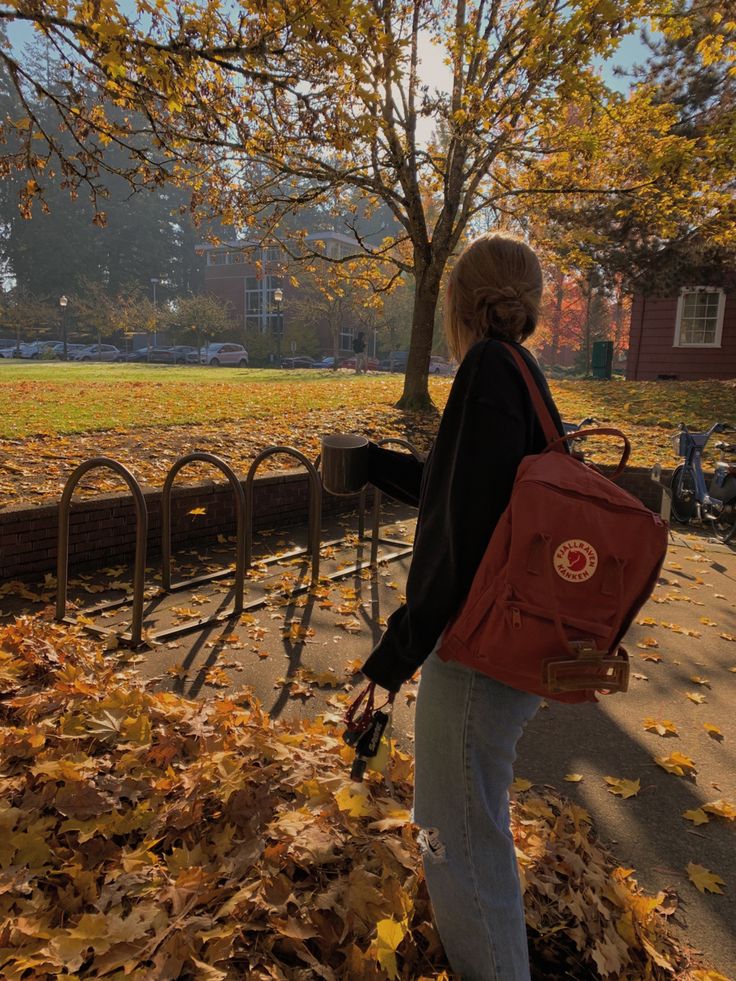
{"points": [[731, 637], [520, 784], [713, 731], [703, 879], [663, 728], [198, 511], [698, 679], [389, 934], [696, 697], [708, 976], [622, 787], [573, 777], [721, 808], [353, 800], [697, 816], [676, 763]]}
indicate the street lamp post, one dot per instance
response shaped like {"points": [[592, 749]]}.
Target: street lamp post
{"points": [[154, 284], [278, 296], [63, 304]]}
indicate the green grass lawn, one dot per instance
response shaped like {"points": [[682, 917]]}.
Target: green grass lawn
{"points": [[59, 398], [62, 399]]}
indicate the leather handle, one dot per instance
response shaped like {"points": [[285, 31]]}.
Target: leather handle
{"points": [[582, 433]]}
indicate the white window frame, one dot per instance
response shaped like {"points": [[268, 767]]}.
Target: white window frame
{"points": [[347, 333], [685, 291]]}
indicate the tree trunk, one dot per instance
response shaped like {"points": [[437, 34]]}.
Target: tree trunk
{"points": [[587, 328], [557, 320], [415, 397]]}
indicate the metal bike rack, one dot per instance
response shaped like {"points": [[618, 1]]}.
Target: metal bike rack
{"points": [[240, 521], [405, 547], [315, 510], [237, 488], [141, 538], [665, 509]]}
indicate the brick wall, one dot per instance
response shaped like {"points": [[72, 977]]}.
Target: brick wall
{"points": [[102, 529]]}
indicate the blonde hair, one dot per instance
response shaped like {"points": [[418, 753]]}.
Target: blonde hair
{"points": [[494, 290]]}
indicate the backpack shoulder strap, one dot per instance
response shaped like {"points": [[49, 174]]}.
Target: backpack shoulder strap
{"points": [[543, 414]]}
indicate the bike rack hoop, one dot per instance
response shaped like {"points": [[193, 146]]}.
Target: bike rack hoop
{"points": [[240, 520], [315, 505], [141, 541]]}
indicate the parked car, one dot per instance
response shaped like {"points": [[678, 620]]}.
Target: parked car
{"points": [[9, 348], [396, 361], [441, 366], [185, 354], [44, 349], [298, 361], [98, 352], [325, 363], [179, 354], [224, 354], [373, 363]]}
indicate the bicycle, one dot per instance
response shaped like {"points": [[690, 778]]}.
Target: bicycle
{"points": [[690, 497], [576, 445]]}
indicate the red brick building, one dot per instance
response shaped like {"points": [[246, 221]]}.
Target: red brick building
{"points": [[689, 336], [246, 274]]}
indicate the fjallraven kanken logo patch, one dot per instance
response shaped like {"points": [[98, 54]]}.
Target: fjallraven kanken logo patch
{"points": [[575, 560]]}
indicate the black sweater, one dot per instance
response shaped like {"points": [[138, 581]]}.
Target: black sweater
{"points": [[462, 489]]}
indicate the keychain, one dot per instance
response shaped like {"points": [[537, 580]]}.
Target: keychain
{"points": [[366, 730]]}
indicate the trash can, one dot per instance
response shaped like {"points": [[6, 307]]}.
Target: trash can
{"points": [[602, 359]]}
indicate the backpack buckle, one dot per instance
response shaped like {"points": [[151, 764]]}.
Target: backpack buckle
{"points": [[591, 670]]}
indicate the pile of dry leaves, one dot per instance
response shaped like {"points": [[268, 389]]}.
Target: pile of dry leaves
{"points": [[148, 836]]}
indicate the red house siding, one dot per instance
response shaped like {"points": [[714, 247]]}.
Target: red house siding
{"points": [[651, 344]]}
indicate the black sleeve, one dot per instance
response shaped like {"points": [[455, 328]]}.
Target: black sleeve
{"points": [[395, 473], [482, 438]]}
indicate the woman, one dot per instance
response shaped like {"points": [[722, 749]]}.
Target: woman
{"points": [[467, 724]]}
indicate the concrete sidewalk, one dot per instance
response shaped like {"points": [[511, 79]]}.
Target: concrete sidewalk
{"points": [[300, 658]]}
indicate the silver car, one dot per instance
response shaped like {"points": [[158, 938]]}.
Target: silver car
{"points": [[224, 354], [98, 352]]}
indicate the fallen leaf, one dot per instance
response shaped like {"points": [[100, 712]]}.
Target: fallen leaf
{"points": [[622, 787], [704, 880], [695, 697], [699, 680], [676, 763], [721, 808], [198, 511], [520, 784], [697, 816], [663, 728], [713, 731], [573, 777]]}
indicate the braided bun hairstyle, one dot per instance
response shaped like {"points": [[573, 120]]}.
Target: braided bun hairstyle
{"points": [[494, 290]]}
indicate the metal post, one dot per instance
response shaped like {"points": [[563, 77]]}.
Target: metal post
{"points": [[315, 505], [376, 529], [141, 540], [240, 522], [63, 304]]}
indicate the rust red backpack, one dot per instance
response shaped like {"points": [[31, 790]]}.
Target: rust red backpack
{"points": [[571, 561]]}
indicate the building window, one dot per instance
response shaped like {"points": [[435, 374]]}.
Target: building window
{"points": [[216, 258], [260, 308], [235, 258], [347, 335], [700, 317]]}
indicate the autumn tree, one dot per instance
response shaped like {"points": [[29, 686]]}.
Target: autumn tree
{"points": [[681, 224], [200, 318], [264, 109]]}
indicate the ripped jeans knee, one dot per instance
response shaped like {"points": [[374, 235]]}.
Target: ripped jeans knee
{"points": [[431, 846]]}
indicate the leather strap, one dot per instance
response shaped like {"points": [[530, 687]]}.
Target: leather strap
{"points": [[550, 430]]}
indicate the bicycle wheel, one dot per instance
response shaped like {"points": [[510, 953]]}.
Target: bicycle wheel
{"points": [[724, 524], [684, 494]]}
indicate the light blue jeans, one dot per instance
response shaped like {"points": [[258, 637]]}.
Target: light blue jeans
{"points": [[466, 731]]}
